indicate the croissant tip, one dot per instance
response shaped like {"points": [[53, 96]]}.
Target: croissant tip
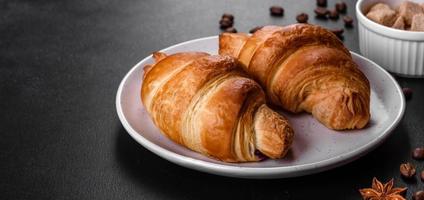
{"points": [[157, 55], [274, 135]]}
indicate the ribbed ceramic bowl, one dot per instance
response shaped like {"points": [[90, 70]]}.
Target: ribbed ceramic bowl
{"points": [[398, 51]]}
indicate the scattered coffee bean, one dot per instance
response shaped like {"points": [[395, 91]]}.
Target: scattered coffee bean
{"points": [[322, 3], [338, 32], [225, 23], [418, 153], [341, 7], [407, 170], [407, 92], [419, 195], [422, 176], [302, 18], [230, 30], [334, 15], [348, 21], [276, 11], [321, 12], [228, 16], [253, 30]]}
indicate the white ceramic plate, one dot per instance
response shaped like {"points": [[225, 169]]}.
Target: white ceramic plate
{"points": [[315, 148]]}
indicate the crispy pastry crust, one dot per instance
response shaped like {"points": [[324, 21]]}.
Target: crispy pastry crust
{"points": [[304, 68], [208, 104]]}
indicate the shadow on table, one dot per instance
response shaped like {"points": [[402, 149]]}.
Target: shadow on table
{"points": [[164, 179]]}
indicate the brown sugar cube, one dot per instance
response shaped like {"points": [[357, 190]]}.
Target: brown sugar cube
{"points": [[382, 15], [408, 9], [379, 6], [417, 22], [399, 23]]}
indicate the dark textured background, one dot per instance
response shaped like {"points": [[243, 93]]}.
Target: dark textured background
{"points": [[60, 65]]}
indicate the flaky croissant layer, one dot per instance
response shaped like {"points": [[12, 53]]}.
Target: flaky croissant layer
{"points": [[304, 68], [208, 104]]}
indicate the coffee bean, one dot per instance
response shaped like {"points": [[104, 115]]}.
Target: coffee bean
{"points": [[338, 32], [302, 18], [228, 16], [230, 30], [321, 12], [419, 195], [334, 15], [348, 21], [407, 92], [418, 153], [341, 7], [407, 170], [322, 3], [422, 176], [276, 11], [225, 23], [253, 30]]}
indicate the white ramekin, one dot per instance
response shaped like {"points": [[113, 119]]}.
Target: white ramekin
{"points": [[398, 51]]}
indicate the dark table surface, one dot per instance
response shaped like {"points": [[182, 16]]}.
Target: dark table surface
{"points": [[60, 65]]}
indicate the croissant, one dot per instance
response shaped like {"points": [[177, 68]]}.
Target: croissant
{"points": [[304, 68], [209, 104]]}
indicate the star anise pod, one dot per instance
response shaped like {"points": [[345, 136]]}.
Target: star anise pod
{"points": [[382, 192]]}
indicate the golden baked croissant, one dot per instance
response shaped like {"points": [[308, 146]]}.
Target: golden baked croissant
{"points": [[208, 104], [304, 68]]}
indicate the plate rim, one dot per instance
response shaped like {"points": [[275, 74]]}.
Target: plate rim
{"points": [[255, 172]]}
